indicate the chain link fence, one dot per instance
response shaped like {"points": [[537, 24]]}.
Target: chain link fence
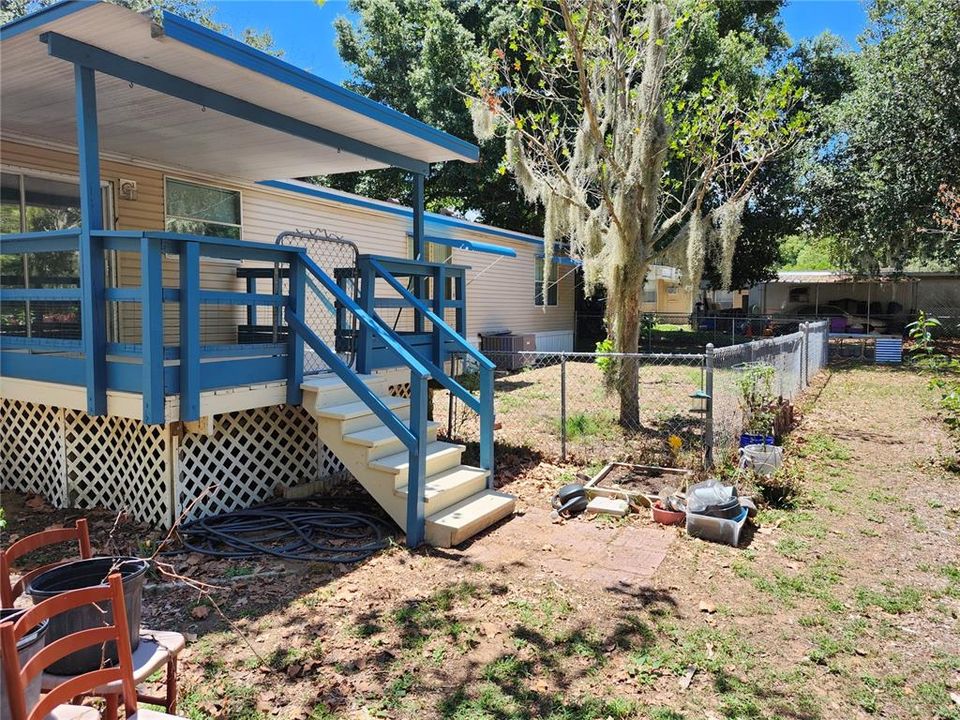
{"points": [[337, 257], [792, 359], [567, 406], [949, 318]]}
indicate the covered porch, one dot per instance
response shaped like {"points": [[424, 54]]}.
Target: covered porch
{"points": [[162, 347], [163, 89]]}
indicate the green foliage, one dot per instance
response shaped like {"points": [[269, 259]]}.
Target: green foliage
{"points": [[782, 489], [891, 142], [755, 386], [584, 424], [896, 601], [803, 252], [605, 364], [946, 370], [921, 332], [416, 56]]}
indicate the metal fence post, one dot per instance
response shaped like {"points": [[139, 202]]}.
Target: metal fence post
{"points": [[708, 416], [805, 368], [563, 406], [733, 331]]}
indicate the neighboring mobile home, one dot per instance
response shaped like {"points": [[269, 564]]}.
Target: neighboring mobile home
{"points": [[155, 336], [886, 303]]}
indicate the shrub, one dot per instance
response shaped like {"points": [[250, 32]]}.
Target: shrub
{"points": [[781, 490]]}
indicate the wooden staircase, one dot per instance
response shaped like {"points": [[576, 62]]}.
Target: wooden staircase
{"points": [[457, 499]]}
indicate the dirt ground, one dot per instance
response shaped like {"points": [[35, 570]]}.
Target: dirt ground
{"points": [[529, 409], [846, 604]]}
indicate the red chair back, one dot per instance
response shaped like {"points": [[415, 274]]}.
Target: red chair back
{"points": [[17, 678], [10, 592]]}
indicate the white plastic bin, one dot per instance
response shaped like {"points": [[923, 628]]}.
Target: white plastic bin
{"points": [[764, 459], [716, 529]]}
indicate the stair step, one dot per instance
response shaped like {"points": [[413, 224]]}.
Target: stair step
{"points": [[351, 410], [450, 486], [440, 456], [328, 391], [459, 522], [379, 435], [331, 381]]}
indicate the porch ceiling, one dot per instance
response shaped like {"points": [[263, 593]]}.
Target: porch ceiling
{"points": [[37, 99]]}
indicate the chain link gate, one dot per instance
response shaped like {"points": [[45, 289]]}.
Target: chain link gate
{"points": [[337, 257]]}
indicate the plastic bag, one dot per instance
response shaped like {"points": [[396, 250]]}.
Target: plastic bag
{"points": [[702, 496]]}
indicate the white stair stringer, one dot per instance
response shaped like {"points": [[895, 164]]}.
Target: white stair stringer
{"points": [[457, 503]]}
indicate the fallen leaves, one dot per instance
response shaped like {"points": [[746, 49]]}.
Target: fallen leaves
{"points": [[37, 502]]}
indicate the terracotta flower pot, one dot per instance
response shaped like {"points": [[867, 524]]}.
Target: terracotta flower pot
{"points": [[667, 517]]}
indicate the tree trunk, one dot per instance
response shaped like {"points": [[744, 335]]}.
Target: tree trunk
{"points": [[623, 319], [628, 371]]}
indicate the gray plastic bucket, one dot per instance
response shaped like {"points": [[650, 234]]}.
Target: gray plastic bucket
{"points": [[28, 646], [83, 574]]}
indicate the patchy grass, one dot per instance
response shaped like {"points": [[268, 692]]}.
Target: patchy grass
{"points": [[583, 425], [842, 603], [893, 600]]}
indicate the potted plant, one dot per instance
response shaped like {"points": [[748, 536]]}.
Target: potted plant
{"points": [[757, 403]]}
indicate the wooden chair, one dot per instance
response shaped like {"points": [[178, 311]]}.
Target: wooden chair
{"points": [[9, 592], [57, 700], [156, 648]]}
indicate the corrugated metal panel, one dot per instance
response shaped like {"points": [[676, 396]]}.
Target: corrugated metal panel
{"points": [[889, 350], [559, 341]]}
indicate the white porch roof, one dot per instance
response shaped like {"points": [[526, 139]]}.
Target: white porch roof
{"points": [[37, 100]]}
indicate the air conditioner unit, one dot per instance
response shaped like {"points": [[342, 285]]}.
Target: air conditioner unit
{"points": [[506, 350]]}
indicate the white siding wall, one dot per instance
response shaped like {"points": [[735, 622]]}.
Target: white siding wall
{"points": [[500, 291]]}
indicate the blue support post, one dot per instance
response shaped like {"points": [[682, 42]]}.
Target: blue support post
{"points": [[461, 311], [487, 420], [364, 343], [151, 303], [295, 306], [93, 316], [439, 290], [251, 308], [417, 470], [190, 332], [419, 249]]}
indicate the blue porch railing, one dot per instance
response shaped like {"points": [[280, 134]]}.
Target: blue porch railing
{"points": [[429, 302], [190, 366], [146, 365]]}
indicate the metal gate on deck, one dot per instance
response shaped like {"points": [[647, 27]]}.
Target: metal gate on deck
{"points": [[337, 257]]}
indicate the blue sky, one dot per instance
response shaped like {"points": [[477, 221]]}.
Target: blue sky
{"points": [[304, 28]]}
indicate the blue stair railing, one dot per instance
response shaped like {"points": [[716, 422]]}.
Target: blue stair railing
{"points": [[442, 335], [414, 436]]}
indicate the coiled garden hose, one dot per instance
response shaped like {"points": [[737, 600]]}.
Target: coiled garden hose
{"points": [[307, 530]]}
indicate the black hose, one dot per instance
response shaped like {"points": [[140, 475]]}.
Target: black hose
{"points": [[307, 530]]}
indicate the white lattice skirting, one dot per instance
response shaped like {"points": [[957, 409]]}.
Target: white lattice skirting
{"points": [[155, 472]]}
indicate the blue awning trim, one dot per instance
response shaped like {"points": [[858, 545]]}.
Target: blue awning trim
{"points": [[37, 18], [563, 260], [472, 245]]}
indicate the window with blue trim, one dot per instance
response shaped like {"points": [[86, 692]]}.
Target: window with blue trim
{"points": [[552, 280]]}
